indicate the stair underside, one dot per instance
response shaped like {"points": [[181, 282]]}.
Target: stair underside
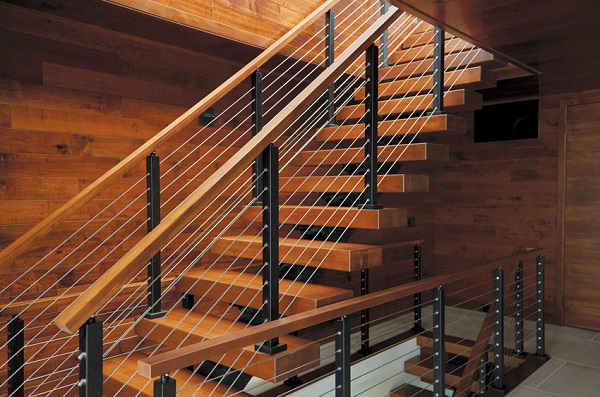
{"points": [[246, 290], [421, 366], [445, 123], [335, 216], [462, 347], [465, 59], [475, 78], [390, 153], [345, 257], [397, 183], [182, 327], [454, 45], [121, 380], [411, 391], [454, 101]]}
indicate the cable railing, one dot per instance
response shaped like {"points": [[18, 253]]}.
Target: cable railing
{"points": [[206, 199]]}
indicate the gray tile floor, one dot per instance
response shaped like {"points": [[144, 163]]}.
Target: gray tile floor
{"points": [[574, 367]]}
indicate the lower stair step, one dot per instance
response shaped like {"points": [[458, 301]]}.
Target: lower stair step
{"points": [[345, 257], [454, 101], [455, 45], [246, 289], [335, 216], [396, 183], [121, 380], [411, 391], [182, 327], [446, 123], [421, 366], [389, 153]]}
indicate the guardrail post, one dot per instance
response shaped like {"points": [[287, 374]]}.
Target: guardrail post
{"points": [[482, 371], [153, 211], [417, 297], [342, 357], [385, 7], [16, 357], [540, 334], [90, 359], [257, 125], [165, 386], [270, 252], [369, 197], [439, 39], [498, 381], [439, 343], [519, 307], [365, 349], [329, 58]]}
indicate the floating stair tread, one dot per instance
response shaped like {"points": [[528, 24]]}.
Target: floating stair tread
{"points": [[422, 38], [460, 60], [462, 347], [340, 256], [475, 78], [335, 216], [393, 183], [389, 153], [411, 391], [183, 327], [445, 123], [246, 289], [454, 45], [422, 366], [121, 380], [454, 101]]}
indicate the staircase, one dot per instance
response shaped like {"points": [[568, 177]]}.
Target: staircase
{"points": [[217, 299]]}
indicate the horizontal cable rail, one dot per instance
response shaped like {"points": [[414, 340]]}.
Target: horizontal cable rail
{"points": [[173, 360]]}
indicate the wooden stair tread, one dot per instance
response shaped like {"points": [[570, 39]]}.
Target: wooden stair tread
{"points": [[471, 58], [474, 78], [422, 38], [411, 391], [183, 327], [393, 183], [325, 254], [453, 45], [335, 216], [462, 347], [121, 380], [422, 366], [446, 123], [246, 289], [454, 101], [389, 153]]}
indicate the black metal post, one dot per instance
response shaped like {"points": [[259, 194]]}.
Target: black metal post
{"points": [[257, 125], [385, 7], [519, 307], [369, 197], [165, 386], [438, 70], [329, 58], [540, 334], [417, 297], [153, 211], [342, 357], [439, 348], [270, 252], [16, 357], [482, 372], [90, 359], [498, 381], [187, 301], [365, 349]]}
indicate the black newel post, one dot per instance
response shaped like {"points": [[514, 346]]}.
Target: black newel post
{"points": [[90, 359], [540, 334], [519, 307], [439, 348], [16, 357], [342, 357], [498, 381], [165, 387], [257, 125], [153, 211], [417, 327], [329, 58], [438, 70]]}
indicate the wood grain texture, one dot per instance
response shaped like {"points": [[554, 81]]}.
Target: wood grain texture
{"points": [[393, 183]]}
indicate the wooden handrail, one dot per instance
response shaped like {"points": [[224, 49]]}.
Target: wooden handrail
{"points": [[121, 272], [192, 354], [27, 240]]}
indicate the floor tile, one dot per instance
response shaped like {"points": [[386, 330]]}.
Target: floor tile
{"points": [[543, 373], [576, 350], [573, 380], [523, 391]]}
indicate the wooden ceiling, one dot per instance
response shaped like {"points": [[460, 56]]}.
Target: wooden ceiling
{"points": [[558, 38]]}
